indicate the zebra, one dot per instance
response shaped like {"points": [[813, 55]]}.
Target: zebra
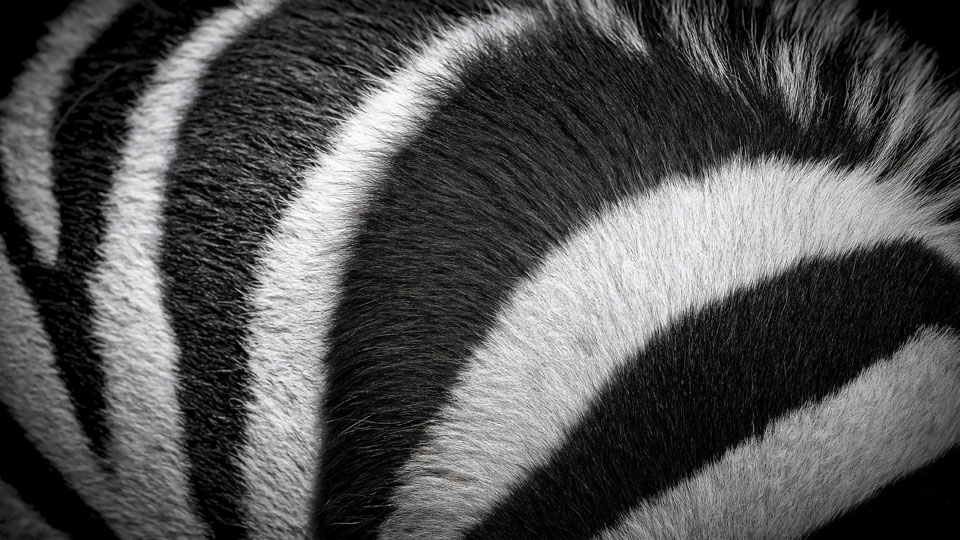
{"points": [[470, 269]]}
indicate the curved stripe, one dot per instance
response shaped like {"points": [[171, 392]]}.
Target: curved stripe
{"points": [[39, 495], [304, 66], [603, 294], [29, 112], [719, 375], [19, 520], [130, 327], [542, 134], [302, 266], [104, 83], [361, 163], [822, 459], [31, 388], [611, 20]]}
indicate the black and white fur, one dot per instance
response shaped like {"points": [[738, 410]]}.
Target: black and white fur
{"points": [[598, 269]]}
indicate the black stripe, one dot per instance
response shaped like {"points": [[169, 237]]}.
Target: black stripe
{"points": [[722, 374], [925, 504], [243, 147], [15, 238], [39, 484], [91, 125], [539, 138]]}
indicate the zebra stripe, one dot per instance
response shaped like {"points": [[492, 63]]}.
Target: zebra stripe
{"points": [[105, 83], [709, 377], [140, 362], [896, 416], [297, 289], [30, 230], [441, 241], [41, 506], [922, 504], [36, 402], [496, 215], [29, 114], [77, 192], [214, 234], [605, 294], [280, 269]]}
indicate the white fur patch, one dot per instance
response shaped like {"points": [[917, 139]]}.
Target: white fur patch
{"points": [[302, 266], [808, 31], [132, 332], [26, 136], [599, 297], [822, 459]]}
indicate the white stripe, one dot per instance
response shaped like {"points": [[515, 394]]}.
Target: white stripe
{"points": [[697, 33], [612, 21], [923, 119], [31, 388], [26, 137], [301, 269], [131, 328], [598, 298], [804, 33], [21, 521], [797, 79], [813, 464]]}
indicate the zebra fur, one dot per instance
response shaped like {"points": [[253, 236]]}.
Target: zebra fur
{"points": [[563, 269]]}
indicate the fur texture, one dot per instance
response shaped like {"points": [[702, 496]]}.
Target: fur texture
{"points": [[784, 482], [140, 362], [563, 269], [556, 347]]}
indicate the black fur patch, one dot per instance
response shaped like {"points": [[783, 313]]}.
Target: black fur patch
{"points": [[721, 375]]}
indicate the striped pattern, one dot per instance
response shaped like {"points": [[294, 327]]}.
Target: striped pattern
{"points": [[865, 421], [462, 270]]}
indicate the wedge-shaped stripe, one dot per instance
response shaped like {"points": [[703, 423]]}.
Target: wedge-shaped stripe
{"points": [[131, 330], [509, 164], [600, 297], [302, 267], [38, 402], [29, 114], [719, 375], [35, 500], [822, 459]]}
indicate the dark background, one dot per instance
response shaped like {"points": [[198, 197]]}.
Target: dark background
{"points": [[935, 23]]}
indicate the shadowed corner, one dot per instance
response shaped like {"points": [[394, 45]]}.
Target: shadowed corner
{"points": [[22, 24]]}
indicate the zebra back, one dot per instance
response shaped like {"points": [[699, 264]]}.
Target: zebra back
{"points": [[571, 269]]}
